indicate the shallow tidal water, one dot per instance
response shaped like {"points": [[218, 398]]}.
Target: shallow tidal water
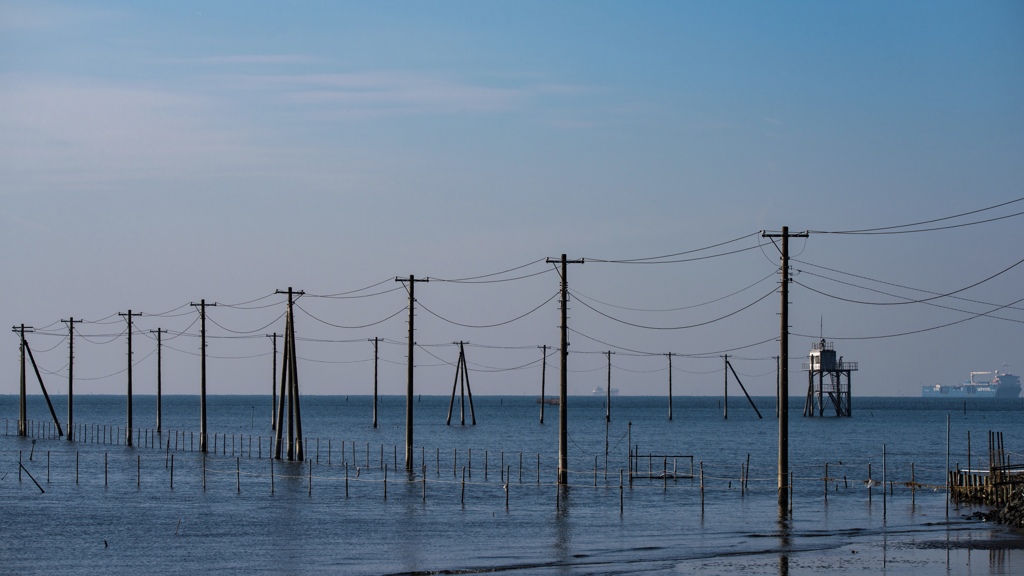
{"points": [[103, 507]]}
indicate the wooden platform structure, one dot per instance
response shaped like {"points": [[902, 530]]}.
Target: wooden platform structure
{"points": [[832, 390]]}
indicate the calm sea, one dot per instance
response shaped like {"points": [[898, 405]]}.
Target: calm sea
{"points": [[111, 509]]}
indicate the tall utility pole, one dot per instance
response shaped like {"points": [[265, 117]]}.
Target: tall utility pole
{"points": [[669, 385], [273, 384], [71, 375], [128, 431], [563, 430], [202, 379], [375, 358], [783, 471], [608, 390], [543, 374], [159, 378], [22, 408], [412, 280], [290, 387]]}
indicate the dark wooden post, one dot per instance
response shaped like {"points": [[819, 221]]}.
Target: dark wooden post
{"points": [[71, 376], [409, 372], [563, 384], [128, 429], [543, 374], [159, 379]]}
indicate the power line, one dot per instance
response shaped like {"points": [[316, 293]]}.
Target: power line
{"points": [[577, 293], [922, 300], [538, 307], [697, 325], [895, 229], [650, 258], [470, 279], [908, 333], [890, 294], [400, 310], [886, 283]]}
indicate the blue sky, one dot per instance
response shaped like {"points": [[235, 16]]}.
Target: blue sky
{"points": [[155, 154]]}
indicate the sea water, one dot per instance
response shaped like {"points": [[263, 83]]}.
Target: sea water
{"points": [[103, 507]]}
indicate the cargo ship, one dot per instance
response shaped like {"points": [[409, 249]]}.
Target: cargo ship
{"points": [[994, 384]]}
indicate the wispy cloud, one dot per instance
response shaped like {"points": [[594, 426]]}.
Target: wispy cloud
{"points": [[374, 94], [255, 59]]}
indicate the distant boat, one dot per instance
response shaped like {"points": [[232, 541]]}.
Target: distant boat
{"points": [[553, 401], [999, 385], [599, 391]]}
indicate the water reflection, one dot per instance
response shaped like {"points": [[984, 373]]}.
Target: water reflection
{"points": [[785, 528], [563, 532]]}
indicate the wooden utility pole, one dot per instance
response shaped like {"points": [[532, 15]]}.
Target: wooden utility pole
{"points": [[22, 407], [273, 384], [608, 390], [159, 379], [290, 386], [462, 383], [669, 386], [412, 280], [128, 430], [375, 341], [543, 374], [725, 394], [71, 376], [783, 464], [202, 379], [563, 385]]}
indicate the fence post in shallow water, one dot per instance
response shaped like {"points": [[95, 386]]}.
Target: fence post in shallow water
{"points": [[825, 481], [701, 487], [507, 482], [463, 497], [621, 495]]}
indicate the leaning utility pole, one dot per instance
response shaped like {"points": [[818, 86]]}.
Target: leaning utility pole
{"points": [[202, 379], [563, 430], [71, 376], [783, 464], [412, 280], [128, 431], [159, 378]]}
